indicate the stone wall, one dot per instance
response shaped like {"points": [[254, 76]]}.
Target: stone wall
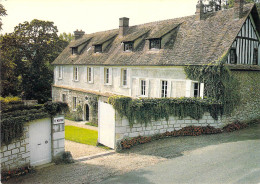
{"points": [[82, 99], [123, 130], [17, 153]]}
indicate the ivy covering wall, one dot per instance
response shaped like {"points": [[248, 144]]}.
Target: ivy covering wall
{"points": [[221, 96], [145, 110], [14, 114]]}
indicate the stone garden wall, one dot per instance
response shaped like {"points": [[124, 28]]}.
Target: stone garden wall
{"points": [[17, 153], [123, 130]]}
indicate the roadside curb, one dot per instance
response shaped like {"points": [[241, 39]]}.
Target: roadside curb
{"points": [[80, 159]]}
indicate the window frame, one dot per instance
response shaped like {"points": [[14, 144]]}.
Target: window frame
{"points": [[233, 51], [74, 103], [76, 73], [106, 74], [124, 76], [60, 72], [74, 50], [143, 87], [197, 89], [164, 88], [158, 45], [90, 75], [64, 97], [98, 48], [128, 46], [255, 56]]}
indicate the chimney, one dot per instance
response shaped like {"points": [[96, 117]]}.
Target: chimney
{"points": [[238, 9], [78, 34], [123, 25], [199, 10]]}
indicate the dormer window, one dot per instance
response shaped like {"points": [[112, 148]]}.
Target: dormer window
{"points": [[74, 50], [98, 48], [155, 43], [128, 46]]}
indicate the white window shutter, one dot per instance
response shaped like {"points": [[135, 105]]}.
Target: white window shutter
{"points": [[201, 90], [158, 88], [92, 75], [138, 87], [110, 76], [147, 88], [188, 88], [169, 88], [102, 72], [128, 72]]}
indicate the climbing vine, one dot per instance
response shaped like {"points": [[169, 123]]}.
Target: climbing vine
{"points": [[93, 102], [220, 84], [144, 110]]}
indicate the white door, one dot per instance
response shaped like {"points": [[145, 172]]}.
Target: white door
{"points": [[40, 141], [106, 124]]}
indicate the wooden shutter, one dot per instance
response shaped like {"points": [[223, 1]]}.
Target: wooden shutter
{"points": [[110, 76], [201, 90], [102, 72], [169, 88], [147, 88], [188, 88]]}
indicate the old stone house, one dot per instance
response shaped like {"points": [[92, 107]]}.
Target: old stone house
{"points": [[147, 60]]}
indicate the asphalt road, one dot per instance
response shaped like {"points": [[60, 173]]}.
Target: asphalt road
{"points": [[227, 162]]}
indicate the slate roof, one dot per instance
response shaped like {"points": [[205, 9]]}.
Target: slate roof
{"points": [[193, 43]]}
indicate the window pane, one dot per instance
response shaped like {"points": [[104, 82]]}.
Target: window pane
{"points": [[255, 57], [124, 77]]}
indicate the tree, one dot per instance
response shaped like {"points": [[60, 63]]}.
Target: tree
{"points": [[34, 46], [2, 13], [231, 3], [67, 36]]}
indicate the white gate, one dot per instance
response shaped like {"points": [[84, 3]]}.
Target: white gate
{"points": [[106, 124], [40, 141]]}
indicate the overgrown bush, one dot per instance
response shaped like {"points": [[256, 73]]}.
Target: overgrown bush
{"points": [[64, 157]]}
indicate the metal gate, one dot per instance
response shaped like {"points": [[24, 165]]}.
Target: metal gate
{"points": [[106, 124]]}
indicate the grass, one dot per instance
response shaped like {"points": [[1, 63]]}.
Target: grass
{"points": [[81, 135], [91, 124]]}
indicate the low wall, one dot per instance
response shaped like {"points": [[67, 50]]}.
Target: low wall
{"points": [[17, 153], [123, 130]]}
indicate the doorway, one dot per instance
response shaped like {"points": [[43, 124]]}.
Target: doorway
{"points": [[87, 112]]}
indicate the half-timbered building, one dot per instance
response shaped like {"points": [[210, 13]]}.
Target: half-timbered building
{"points": [[147, 60]]}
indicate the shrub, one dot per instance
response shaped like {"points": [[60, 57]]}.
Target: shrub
{"points": [[64, 157]]}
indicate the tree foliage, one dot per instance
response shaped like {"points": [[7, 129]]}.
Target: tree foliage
{"points": [[2, 13], [26, 56]]}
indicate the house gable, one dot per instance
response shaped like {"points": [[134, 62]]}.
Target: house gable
{"points": [[246, 46]]}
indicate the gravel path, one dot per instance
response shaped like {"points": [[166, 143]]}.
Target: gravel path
{"points": [[80, 150], [80, 124], [141, 156]]}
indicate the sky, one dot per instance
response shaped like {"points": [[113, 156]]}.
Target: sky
{"points": [[92, 15]]}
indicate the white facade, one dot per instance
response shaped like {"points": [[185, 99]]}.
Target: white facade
{"points": [[128, 81]]}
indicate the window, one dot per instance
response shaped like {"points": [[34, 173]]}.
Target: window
{"points": [[196, 92], [60, 72], [74, 50], [143, 88], [124, 77], [255, 57], [164, 89], [98, 48], [155, 44], [128, 46], [64, 99], [233, 56], [74, 103], [90, 76], [76, 73], [107, 75]]}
